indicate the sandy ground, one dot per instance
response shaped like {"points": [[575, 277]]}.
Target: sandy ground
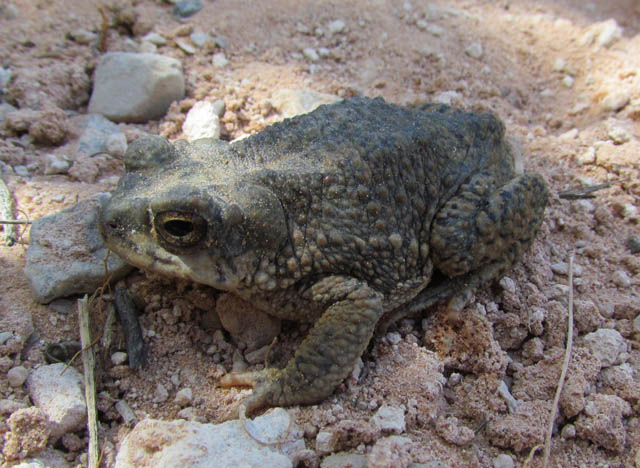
{"points": [[541, 70]]}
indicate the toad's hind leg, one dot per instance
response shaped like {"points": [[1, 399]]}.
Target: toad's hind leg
{"points": [[328, 353], [476, 237], [483, 224]]}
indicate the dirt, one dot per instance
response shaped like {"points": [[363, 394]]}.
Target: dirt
{"points": [[541, 70]]}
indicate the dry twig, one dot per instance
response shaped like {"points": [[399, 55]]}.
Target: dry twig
{"points": [[89, 362], [563, 373], [6, 211]]}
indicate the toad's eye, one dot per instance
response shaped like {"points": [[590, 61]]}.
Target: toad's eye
{"points": [[180, 228]]}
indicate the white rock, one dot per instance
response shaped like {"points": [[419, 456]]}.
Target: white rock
{"points": [[618, 134], [389, 418], [559, 65], [147, 47], [202, 121], [326, 442], [336, 27], [567, 81], [17, 376], [588, 157], [474, 50], [270, 440], [503, 461], [508, 284], [183, 397], [131, 87], [60, 396], [434, 30], [292, 102], [311, 54], [449, 98], [606, 344], [55, 165], [119, 358], [185, 47], [616, 99], [609, 33], [219, 60], [562, 268], [621, 279]]}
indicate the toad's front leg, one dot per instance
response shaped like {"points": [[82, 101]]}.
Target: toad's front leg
{"points": [[328, 353]]}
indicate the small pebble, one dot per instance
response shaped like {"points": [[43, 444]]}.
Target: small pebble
{"points": [[559, 65], [616, 99], [161, 394], [394, 338], [183, 397], [22, 171], [503, 461], [311, 54], [562, 268], [633, 244], [199, 39], [17, 375], [186, 8], [474, 50], [119, 358], [155, 39], [621, 279], [508, 284], [219, 60], [568, 431], [186, 48], [588, 157], [390, 419], [567, 81], [336, 27], [5, 336], [147, 47], [619, 135], [55, 165]]}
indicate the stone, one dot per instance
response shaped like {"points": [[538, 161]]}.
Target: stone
{"points": [[562, 268], [160, 395], [118, 358], [606, 344], [186, 8], [184, 47], [503, 461], [567, 81], [29, 432], [311, 54], [344, 460], [448, 98], [219, 60], [391, 451], [55, 165], [183, 397], [474, 50], [116, 145], [609, 33], [155, 39], [270, 440], [202, 121], [131, 87], [621, 279], [616, 99], [60, 396], [292, 102], [336, 27], [17, 376], [602, 421], [611, 155], [326, 442], [66, 253], [587, 157], [199, 39], [390, 419], [5, 77]]}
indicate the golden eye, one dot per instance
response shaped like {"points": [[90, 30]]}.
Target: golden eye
{"points": [[180, 228]]}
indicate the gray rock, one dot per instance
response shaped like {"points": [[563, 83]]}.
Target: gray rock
{"points": [[336, 27], [621, 279], [311, 54], [116, 144], [199, 39], [60, 396], [17, 376], [22, 171], [5, 76], [202, 121], [390, 419], [292, 102], [5, 336], [55, 165], [344, 460], [66, 253], [48, 458], [132, 87], [606, 344], [183, 397], [562, 268], [186, 8], [161, 394], [503, 461], [326, 442], [270, 440]]}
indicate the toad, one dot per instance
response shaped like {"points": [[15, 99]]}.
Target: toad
{"points": [[358, 210]]}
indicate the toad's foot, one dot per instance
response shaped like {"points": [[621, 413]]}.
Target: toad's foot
{"points": [[328, 353]]}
